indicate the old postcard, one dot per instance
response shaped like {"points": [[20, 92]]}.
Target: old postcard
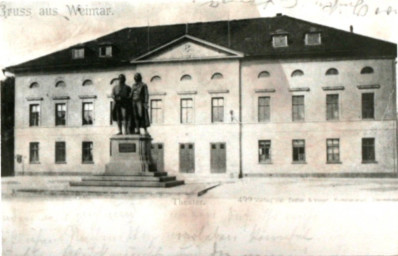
{"points": [[199, 127]]}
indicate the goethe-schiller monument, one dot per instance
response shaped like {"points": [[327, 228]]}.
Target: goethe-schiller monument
{"points": [[131, 163]]}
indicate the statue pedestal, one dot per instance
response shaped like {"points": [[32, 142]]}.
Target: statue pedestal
{"points": [[130, 155], [130, 166]]}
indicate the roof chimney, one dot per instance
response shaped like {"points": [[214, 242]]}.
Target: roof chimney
{"points": [[278, 14], [351, 28]]}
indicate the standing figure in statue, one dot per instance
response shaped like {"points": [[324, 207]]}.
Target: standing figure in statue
{"points": [[122, 110], [139, 97]]}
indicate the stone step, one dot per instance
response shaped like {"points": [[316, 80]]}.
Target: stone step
{"points": [[138, 174], [154, 184], [129, 178]]}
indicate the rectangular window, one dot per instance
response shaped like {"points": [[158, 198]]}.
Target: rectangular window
{"points": [[60, 114], [368, 106], [60, 152], [186, 111], [264, 111], [333, 150], [88, 113], [217, 110], [332, 107], [78, 53], [313, 39], [368, 150], [156, 111], [87, 152], [105, 51], [264, 151], [279, 41], [298, 150], [298, 113], [34, 114], [34, 152]]}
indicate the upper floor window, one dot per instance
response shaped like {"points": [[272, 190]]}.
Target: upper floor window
{"points": [[88, 113], [332, 71], [156, 111], [368, 106], [367, 70], [297, 72], [87, 82], [217, 109], [264, 109], [263, 74], [186, 78], [60, 84], [216, 76], [313, 39], [105, 51], [298, 111], [34, 85], [155, 79], [34, 115], [60, 114], [279, 41], [78, 53], [332, 107], [186, 111]]}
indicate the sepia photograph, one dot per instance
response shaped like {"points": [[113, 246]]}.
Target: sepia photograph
{"points": [[199, 127]]}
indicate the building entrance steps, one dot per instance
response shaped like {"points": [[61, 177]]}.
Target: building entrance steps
{"points": [[151, 179]]}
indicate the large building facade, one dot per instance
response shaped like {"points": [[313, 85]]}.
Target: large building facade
{"points": [[230, 98]]}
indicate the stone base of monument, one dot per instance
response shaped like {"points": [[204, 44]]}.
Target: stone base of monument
{"points": [[131, 165]]}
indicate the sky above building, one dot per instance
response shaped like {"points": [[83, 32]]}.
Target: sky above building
{"points": [[30, 29]]}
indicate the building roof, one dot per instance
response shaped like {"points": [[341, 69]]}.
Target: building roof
{"points": [[252, 37]]}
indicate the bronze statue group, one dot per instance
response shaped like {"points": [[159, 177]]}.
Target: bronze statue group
{"points": [[130, 108]]}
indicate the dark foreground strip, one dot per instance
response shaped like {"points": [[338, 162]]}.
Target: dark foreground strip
{"points": [[204, 191]]}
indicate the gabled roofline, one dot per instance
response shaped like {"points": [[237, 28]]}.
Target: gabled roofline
{"points": [[234, 53]]}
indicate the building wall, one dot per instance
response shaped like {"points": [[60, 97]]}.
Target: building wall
{"points": [[350, 128]]}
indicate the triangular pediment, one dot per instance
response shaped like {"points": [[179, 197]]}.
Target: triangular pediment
{"points": [[187, 48]]}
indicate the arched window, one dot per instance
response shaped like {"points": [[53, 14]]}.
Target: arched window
{"points": [[217, 76], [186, 78], [367, 70], [297, 72], [263, 74], [87, 82], [114, 81], [331, 72], [155, 79], [34, 85], [60, 84]]}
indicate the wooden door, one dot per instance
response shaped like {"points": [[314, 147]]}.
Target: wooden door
{"points": [[187, 158], [157, 153], [218, 159]]}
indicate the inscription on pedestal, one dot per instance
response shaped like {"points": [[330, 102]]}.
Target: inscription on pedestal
{"points": [[127, 147]]}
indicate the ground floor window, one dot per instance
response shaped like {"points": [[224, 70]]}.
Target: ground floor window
{"points": [[34, 152], [298, 151], [87, 152], [368, 150], [333, 150], [264, 151], [60, 152]]}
